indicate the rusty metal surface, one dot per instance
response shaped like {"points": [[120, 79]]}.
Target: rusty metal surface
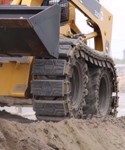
{"points": [[30, 31]]}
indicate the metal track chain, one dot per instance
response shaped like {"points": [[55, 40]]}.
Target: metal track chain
{"points": [[99, 59], [55, 73]]}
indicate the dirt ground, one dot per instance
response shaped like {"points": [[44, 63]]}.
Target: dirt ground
{"points": [[17, 133]]}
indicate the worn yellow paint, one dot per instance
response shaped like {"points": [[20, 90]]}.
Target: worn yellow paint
{"points": [[32, 2], [27, 2], [16, 2], [14, 78]]}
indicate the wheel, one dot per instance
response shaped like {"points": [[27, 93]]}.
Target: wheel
{"points": [[99, 98], [78, 87], [61, 95]]}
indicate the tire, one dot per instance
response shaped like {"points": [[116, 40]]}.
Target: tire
{"points": [[78, 88], [99, 98], [59, 107]]}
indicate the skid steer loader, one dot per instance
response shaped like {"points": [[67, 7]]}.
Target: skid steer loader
{"points": [[45, 60]]}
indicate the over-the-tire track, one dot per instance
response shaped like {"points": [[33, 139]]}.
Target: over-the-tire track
{"points": [[70, 50]]}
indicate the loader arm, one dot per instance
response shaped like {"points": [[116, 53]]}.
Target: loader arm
{"points": [[100, 19]]}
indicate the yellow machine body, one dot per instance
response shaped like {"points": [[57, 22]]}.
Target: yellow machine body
{"points": [[15, 78], [27, 2], [15, 75]]}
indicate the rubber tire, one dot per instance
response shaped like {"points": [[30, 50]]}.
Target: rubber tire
{"points": [[78, 82], [78, 87], [99, 98]]}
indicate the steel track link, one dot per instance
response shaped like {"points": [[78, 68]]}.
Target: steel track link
{"points": [[61, 106], [97, 59], [103, 60]]}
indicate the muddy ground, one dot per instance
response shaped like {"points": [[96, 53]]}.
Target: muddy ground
{"points": [[17, 133]]}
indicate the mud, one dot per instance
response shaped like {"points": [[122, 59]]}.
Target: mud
{"points": [[18, 133]]}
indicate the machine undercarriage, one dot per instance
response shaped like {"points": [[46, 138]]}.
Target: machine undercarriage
{"points": [[85, 79], [65, 77]]}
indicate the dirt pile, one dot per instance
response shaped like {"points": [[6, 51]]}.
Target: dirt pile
{"points": [[96, 134]]}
